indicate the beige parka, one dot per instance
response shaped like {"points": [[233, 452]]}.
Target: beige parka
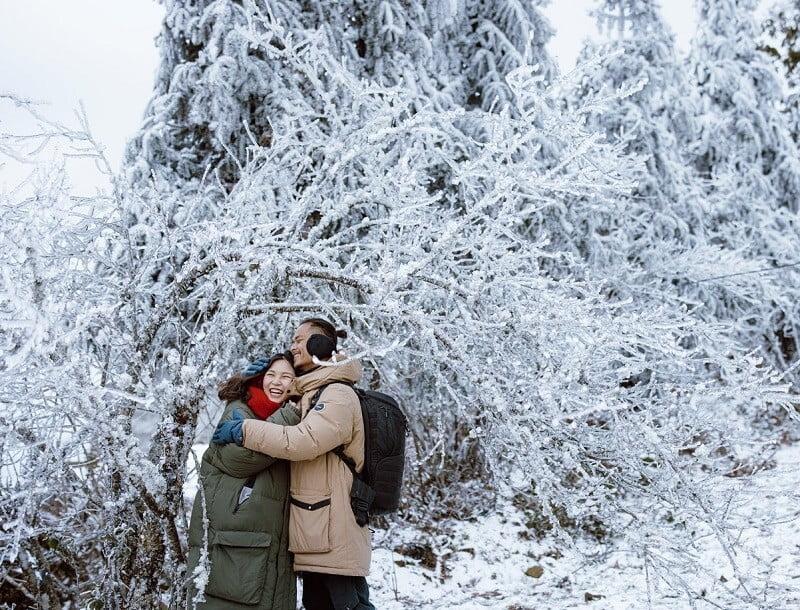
{"points": [[323, 533]]}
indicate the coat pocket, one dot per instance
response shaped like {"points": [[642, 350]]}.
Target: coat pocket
{"points": [[310, 522], [238, 566]]}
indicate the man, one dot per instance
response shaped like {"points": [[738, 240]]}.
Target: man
{"points": [[331, 551]]}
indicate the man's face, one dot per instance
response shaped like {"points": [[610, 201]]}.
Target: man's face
{"points": [[302, 359]]}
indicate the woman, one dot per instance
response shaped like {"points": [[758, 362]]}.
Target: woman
{"points": [[246, 498]]}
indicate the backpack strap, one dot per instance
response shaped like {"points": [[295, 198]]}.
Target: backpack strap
{"points": [[348, 461], [315, 398]]}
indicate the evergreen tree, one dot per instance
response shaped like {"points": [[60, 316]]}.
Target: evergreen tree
{"points": [[217, 92], [503, 35], [745, 152], [662, 241], [653, 122]]}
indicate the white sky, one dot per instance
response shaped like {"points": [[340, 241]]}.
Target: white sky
{"points": [[103, 52]]}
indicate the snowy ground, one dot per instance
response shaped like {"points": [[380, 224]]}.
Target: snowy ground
{"points": [[490, 564]]}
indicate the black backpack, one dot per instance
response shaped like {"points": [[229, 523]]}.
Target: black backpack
{"points": [[376, 489]]}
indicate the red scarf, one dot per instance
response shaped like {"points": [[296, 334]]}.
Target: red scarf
{"points": [[258, 401]]}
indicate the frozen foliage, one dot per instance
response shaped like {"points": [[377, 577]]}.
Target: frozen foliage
{"points": [[507, 271], [781, 40], [217, 88], [662, 218], [741, 95], [710, 207], [745, 151], [493, 563]]}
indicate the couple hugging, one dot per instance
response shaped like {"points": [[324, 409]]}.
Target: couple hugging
{"points": [[273, 484]]}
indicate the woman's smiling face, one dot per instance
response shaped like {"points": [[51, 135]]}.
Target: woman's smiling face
{"points": [[277, 380]]}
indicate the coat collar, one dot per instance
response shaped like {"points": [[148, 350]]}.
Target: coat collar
{"points": [[348, 371]]}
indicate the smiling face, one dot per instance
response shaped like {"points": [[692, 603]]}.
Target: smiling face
{"points": [[302, 359], [277, 380]]}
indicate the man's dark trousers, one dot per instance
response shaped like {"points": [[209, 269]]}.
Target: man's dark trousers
{"points": [[334, 592]]}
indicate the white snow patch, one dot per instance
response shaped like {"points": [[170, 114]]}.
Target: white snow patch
{"points": [[487, 570], [483, 564]]}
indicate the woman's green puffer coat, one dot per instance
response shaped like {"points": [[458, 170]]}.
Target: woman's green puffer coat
{"points": [[247, 545]]}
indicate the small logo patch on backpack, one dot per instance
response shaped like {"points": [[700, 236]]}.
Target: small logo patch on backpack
{"points": [[319, 406]]}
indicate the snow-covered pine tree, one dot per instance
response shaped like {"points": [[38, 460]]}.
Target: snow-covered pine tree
{"points": [[498, 37], [653, 122], [216, 93], [745, 152], [661, 242], [655, 242]]}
